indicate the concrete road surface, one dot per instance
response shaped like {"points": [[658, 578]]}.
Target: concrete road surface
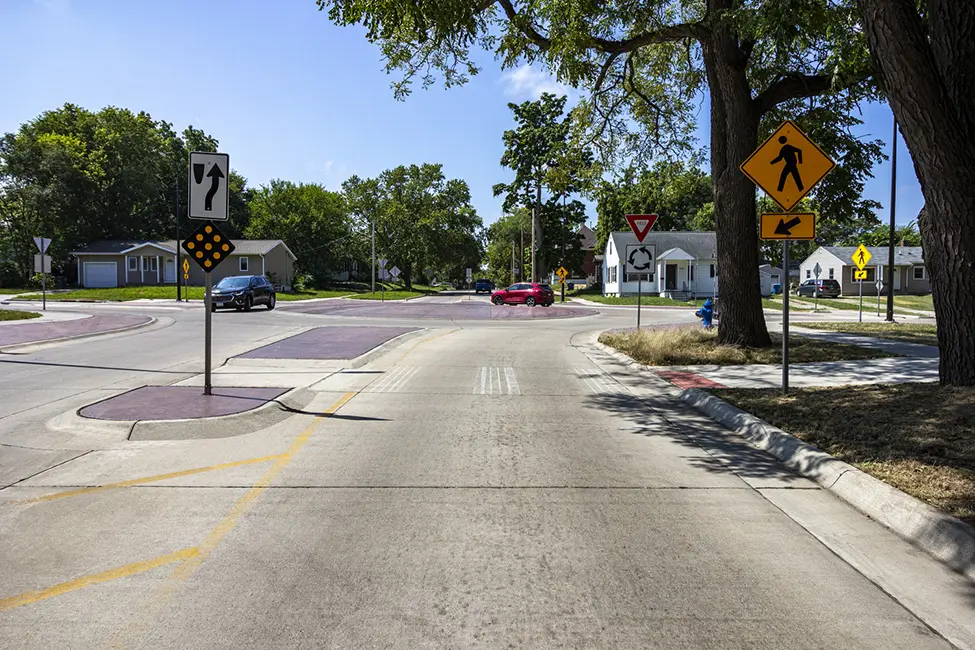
{"points": [[483, 485]]}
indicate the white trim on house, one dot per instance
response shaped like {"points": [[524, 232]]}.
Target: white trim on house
{"points": [[914, 270], [143, 245]]}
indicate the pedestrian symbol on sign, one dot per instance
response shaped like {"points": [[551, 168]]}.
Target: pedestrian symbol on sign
{"points": [[792, 157]]}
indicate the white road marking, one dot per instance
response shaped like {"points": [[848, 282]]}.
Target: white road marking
{"points": [[496, 381], [599, 383], [393, 380]]}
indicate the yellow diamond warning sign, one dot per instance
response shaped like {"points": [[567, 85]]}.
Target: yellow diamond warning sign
{"points": [[208, 247], [861, 257], [787, 165]]}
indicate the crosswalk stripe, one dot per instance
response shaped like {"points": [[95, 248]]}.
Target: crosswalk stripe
{"points": [[492, 380]]}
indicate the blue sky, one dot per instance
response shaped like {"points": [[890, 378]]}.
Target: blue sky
{"points": [[287, 94]]}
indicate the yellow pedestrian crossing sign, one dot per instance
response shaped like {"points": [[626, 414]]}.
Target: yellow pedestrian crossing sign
{"points": [[859, 275], [562, 273], [787, 165], [861, 257]]}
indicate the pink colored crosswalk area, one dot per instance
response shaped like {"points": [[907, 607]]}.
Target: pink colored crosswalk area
{"points": [[683, 379]]}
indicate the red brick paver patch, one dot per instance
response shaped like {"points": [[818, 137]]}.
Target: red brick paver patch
{"points": [[179, 403], [683, 379]]}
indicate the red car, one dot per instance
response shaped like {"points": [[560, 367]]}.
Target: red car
{"points": [[528, 293]]}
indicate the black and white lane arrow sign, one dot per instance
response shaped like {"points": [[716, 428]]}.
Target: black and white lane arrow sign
{"points": [[216, 175], [209, 185]]}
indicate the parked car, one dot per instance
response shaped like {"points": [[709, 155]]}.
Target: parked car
{"points": [[819, 289], [483, 285], [243, 292], [527, 293]]}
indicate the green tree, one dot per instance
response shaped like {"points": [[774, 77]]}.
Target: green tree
{"points": [[645, 63], [676, 192], [313, 221], [422, 219], [78, 176], [926, 57]]}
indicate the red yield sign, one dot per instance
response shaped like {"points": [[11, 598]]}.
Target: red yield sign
{"points": [[641, 224]]}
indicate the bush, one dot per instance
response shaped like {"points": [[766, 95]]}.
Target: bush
{"points": [[302, 282], [10, 274], [35, 281]]}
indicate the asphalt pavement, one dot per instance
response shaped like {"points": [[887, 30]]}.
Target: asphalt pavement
{"points": [[476, 484]]}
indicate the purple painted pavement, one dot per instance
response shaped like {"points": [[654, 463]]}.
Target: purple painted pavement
{"points": [[444, 311], [30, 332], [328, 343], [179, 403]]}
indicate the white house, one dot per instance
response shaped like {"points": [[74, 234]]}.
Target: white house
{"points": [[684, 262], [836, 263], [769, 275]]}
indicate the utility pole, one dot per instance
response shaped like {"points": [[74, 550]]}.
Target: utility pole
{"points": [[179, 281], [373, 287], [535, 217], [893, 209], [512, 261], [522, 256]]}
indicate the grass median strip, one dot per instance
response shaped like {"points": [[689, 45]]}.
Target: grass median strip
{"points": [[923, 333], [313, 294], [648, 301], [11, 314], [697, 346], [919, 438]]}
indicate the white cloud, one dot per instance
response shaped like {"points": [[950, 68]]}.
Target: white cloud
{"points": [[525, 82]]}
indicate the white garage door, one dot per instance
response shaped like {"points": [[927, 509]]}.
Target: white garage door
{"points": [[101, 274]]}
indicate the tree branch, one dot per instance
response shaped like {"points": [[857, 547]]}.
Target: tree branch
{"points": [[604, 71], [799, 86], [525, 26]]}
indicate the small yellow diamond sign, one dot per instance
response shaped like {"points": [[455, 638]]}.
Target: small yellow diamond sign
{"points": [[562, 273], [787, 165], [861, 257]]}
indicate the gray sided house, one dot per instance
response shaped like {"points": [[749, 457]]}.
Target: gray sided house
{"points": [[685, 264], [836, 262], [114, 263]]}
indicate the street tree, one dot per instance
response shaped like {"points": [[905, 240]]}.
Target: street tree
{"points": [[925, 52], [645, 64], [314, 223], [423, 220]]}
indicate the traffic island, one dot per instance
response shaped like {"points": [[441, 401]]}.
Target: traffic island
{"points": [[179, 403], [50, 331], [184, 413]]}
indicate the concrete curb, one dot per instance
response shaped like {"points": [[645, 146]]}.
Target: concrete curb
{"points": [[224, 426], [19, 346], [947, 539]]}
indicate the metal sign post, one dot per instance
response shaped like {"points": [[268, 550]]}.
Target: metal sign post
{"points": [[43, 265], [208, 248], [785, 322], [817, 270], [880, 288], [207, 306], [861, 300], [639, 298]]}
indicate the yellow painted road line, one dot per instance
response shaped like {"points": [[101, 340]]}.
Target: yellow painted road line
{"points": [[188, 566], [104, 576], [148, 479]]}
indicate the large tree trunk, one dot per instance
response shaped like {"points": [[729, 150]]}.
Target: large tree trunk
{"points": [[734, 136], [930, 80]]}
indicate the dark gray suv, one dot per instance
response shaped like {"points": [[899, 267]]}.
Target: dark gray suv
{"points": [[819, 289], [243, 292]]}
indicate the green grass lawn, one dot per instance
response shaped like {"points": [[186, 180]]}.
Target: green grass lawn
{"points": [[689, 346], [122, 294], [6, 291], [11, 314], [313, 293], [924, 333], [772, 303], [916, 437], [924, 303], [650, 301]]}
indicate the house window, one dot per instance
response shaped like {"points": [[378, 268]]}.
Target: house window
{"points": [[133, 263], [712, 270], [918, 272], [831, 277], [244, 264], [692, 274], [145, 263], [153, 263], [808, 274]]}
